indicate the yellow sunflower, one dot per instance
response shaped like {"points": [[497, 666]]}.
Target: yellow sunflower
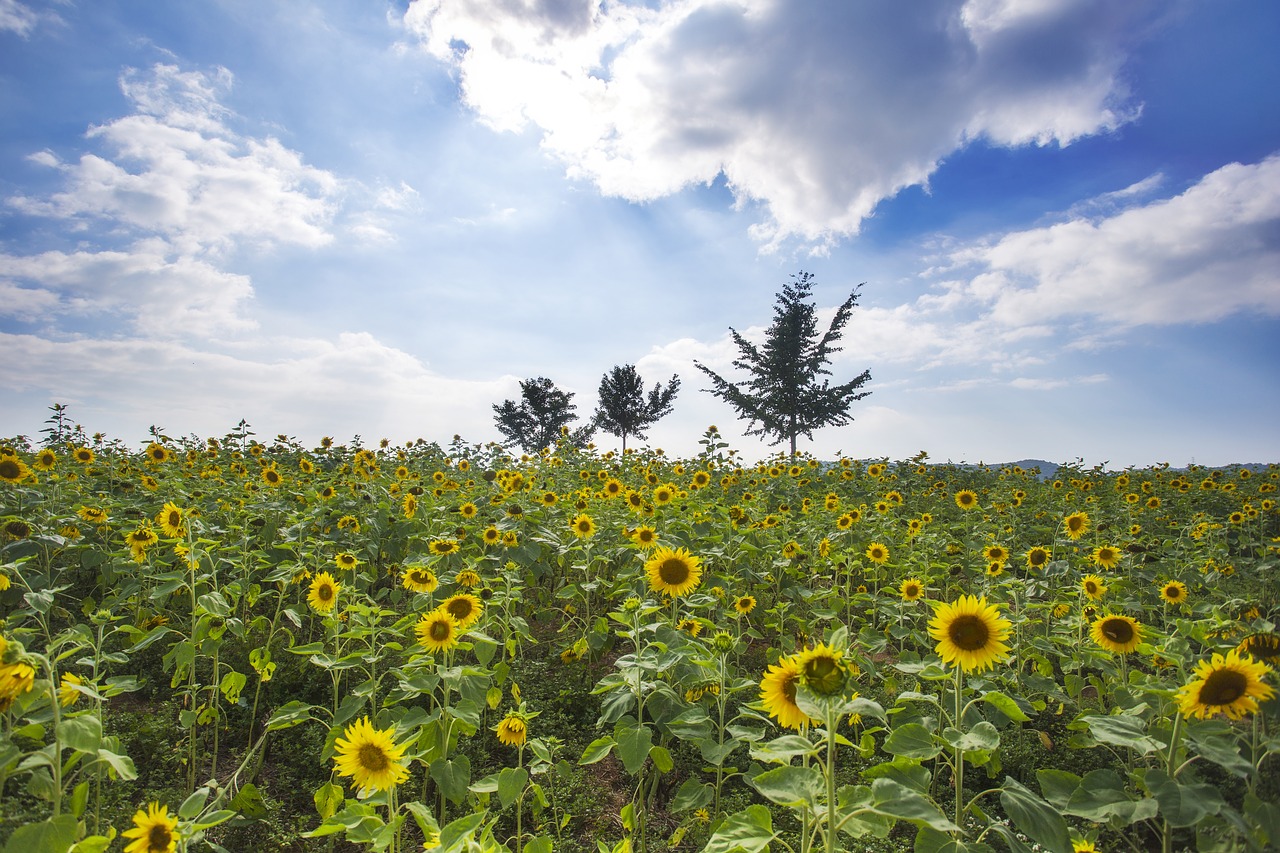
{"points": [[778, 694], [878, 553], [1093, 586], [912, 589], [491, 535], [675, 572], [464, 607], [172, 520], [441, 547], [744, 604], [437, 631], [346, 561], [1115, 633], [1037, 557], [645, 537], [1106, 556], [324, 593], [84, 455], [467, 578], [67, 693], [823, 669], [1229, 684], [995, 553], [370, 757], [513, 729], [46, 460], [970, 633], [582, 526], [1076, 524], [1174, 592], [966, 499], [153, 831], [420, 579], [1263, 646]]}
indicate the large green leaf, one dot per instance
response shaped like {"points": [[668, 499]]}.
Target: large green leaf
{"points": [[897, 800], [1035, 817], [633, 746], [1182, 804], [913, 741], [511, 782], [747, 831], [83, 734], [453, 776], [1101, 797], [791, 786], [55, 835]]}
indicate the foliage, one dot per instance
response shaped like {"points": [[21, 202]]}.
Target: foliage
{"points": [[624, 410], [541, 417], [783, 396]]}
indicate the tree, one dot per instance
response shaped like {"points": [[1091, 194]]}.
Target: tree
{"points": [[783, 396], [624, 409], [541, 416]]}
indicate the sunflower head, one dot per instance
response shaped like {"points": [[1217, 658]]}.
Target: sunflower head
{"points": [[154, 831], [911, 589], [778, 694], [323, 594], [823, 670], [675, 572], [971, 633], [370, 757], [1174, 592], [1076, 524], [744, 604], [513, 729], [1230, 684], [437, 631], [463, 607], [1038, 558], [966, 499], [1116, 633], [1263, 646]]}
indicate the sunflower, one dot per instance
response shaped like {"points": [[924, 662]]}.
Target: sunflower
{"points": [[13, 469], [510, 539], [467, 578], [370, 757], [1037, 557], [409, 505], [692, 627], [995, 553], [1174, 592], [966, 499], [675, 572], [346, 560], [744, 604], [1076, 524], [1263, 646], [420, 579], [911, 589], [441, 547], [1106, 556], [153, 831], [464, 607], [491, 535], [778, 694], [172, 520], [1116, 633], [67, 693], [271, 475], [645, 537], [823, 669], [142, 538], [513, 730], [46, 460], [1093, 586], [582, 526], [664, 494], [15, 679], [995, 569], [157, 453], [1084, 845], [878, 553], [437, 631], [970, 633], [1229, 684], [468, 510], [324, 593], [83, 455]]}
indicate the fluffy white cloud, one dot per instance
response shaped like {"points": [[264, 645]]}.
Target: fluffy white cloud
{"points": [[176, 168], [17, 18], [1208, 253], [816, 110]]}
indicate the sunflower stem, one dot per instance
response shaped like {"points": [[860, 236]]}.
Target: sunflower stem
{"points": [[959, 751]]}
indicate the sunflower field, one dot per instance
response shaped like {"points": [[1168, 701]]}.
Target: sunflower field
{"points": [[234, 645]]}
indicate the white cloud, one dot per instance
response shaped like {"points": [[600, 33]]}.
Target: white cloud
{"points": [[818, 111], [17, 18], [176, 168], [1203, 255]]}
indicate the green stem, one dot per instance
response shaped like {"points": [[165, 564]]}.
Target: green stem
{"points": [[959, 751]]}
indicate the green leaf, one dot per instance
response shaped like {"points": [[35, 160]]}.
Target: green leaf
{"points": [[248, 802], [693, 794], [633, 747], [661, 758], [1183, 804], [791, 786], [1035, 817], [192, 805], [913, 741], [541, 844], [289, 715], [929, 840], [897, 800], [511, 782], [83, 734], [121, 766], [1101, 797], [983, 736], [456, 835], [782, 749], [903, 770], [597, 750], [328, 799], [747, 831], [453, 776], [1058, 786], [48, 836], [1120, 730], [1005, 705]]}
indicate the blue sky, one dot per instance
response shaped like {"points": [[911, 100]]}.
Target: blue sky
{"points": [[342, 218]]}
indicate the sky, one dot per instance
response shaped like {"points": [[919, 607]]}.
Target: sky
{"points": [[355, 218]]}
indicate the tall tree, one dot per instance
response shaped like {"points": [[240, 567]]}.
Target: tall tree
{"points": [[783, 396], [538, 419], [624, 410]]}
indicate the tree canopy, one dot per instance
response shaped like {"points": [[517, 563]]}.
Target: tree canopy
{"points": [[624, 409], [784, 395], [542, 415]]}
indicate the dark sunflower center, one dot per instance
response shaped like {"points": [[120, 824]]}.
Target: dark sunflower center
{"points": [[175, 518], [789, 689], [158, 838], [1091, 587], [674, 571], [460, 609], [1223, 687], [1117, 631], [324, 592], [9, 469], [440, 631], [912, 590], [969, 633], [373, 759]]}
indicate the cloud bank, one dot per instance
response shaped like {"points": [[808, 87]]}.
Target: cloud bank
{"points": [[815, 111]]}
